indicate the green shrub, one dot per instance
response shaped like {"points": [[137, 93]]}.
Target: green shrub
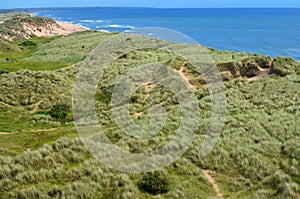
{"points": [[31, 192], [28, 43], [287, 190], [284, 66], [226, 76], [55, 192], [250, 70], [279, 178], [263, 194], [154, 183], [59, 112], [233, 67], [3, 72], [264, 61]]}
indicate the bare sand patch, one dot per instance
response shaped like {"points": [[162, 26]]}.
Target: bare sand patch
{"points": [[57, 28], [263, 73], [214, 184]]}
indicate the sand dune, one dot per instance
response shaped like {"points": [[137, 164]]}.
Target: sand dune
{"points": [[58, 28]]}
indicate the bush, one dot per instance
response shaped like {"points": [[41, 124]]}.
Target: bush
{"points": [[264, 61], [3, 72], [154, 183], [279, 178], [284, 66], [232, 67], [287, 190], [226, 76], [250, 70], [263, 194], [59, 111], [28, 43]]}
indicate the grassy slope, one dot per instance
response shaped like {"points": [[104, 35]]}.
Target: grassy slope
{"points": [[50, 56], [259, 138], [11, 25]]}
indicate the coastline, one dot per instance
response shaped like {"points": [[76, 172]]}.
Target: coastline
{"points": [[70, 28], [216, 28], [65, 27], [56, 28], [41, 154]]}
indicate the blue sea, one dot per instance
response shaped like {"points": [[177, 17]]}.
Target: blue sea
{"points": [[274, 32]]}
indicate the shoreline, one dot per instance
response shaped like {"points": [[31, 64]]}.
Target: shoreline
{"points": [[259, 39], [67, 28], [52, 29], [70, 28]]}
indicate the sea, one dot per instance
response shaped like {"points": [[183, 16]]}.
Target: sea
{"points": [[274, 32]]}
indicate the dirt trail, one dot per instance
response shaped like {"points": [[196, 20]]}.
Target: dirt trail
{"points": [[149, 86], [138, 114], [264, 73], [7, 105], [180, 71], [36, 106], [8, 133], [34, 131], [214, 184]]}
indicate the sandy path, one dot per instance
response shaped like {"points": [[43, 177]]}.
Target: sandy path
{"points": [[8, 133], [7, 105], [36, 106], [34, 131], [214, 184], [264, 73], [149, 86], [137, 114], [180, 71]]}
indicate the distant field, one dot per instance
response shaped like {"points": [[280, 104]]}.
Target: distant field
{"points": [[50, 53]]}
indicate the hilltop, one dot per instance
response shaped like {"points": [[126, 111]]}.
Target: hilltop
{"points": [[20, 26], [41, 156]]}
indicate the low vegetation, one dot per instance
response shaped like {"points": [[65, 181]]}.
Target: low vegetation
{"points": [[41, 156], [154, 183], [59, 112]]}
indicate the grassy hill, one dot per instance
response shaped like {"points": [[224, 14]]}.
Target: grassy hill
{"points": [[12, 25], [41, 156]]}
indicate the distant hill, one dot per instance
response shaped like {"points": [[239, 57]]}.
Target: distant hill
{"points": [[20, 26]]}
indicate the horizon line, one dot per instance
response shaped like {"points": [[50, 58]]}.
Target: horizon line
{"points": [[16, 8]]}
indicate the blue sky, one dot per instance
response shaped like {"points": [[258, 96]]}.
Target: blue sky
{"points": [[149, 3]]}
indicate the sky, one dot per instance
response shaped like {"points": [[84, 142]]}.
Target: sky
{"points": [[5, 4]]}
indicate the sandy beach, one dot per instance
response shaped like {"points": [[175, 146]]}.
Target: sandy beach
{"points": [[68, 28], [57, 28]]}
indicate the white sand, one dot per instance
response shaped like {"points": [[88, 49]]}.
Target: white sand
{"points": [[58, 28]]}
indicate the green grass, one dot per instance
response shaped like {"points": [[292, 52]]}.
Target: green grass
{"points": [[72, 48], [20, 121], [15, 60], [69, 165], [32, 140], [257, 155], [32, 65], [50, 53], [26, 135]]}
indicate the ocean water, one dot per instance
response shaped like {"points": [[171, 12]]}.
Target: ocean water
{"points": [[274, 32]]}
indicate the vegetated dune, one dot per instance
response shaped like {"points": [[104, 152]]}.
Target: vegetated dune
{"points": [[17, 26], [257, 154]]}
